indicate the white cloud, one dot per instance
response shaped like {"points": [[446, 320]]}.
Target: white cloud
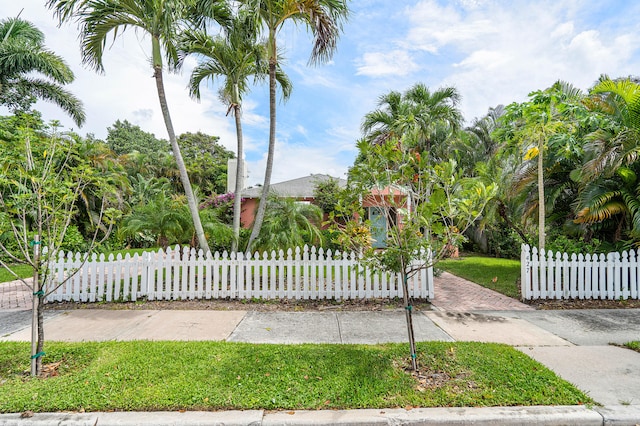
{"points": [[293, 161], [485, 59], [434, 26], [379, 64], [312, 76], [502, 52]]}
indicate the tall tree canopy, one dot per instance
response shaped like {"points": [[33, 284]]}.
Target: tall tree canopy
{"points": [[162, 21], [324, 18], [29, 71]]}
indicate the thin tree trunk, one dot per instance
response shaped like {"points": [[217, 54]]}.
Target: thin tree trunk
{"points": [[541, 203], [184, 177], [257, 224], [408, 311], [36, 343], [40, 347], [237, 200]]}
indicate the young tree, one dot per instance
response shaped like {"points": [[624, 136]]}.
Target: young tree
{"points": [[426, 208], [163, 21], [324, 18], [38, 199]]}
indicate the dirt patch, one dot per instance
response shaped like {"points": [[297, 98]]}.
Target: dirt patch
{"points": [[583, 304], [284, 305], [429, 380]]}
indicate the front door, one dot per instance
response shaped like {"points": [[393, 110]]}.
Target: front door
{"points": [[378, 227]]}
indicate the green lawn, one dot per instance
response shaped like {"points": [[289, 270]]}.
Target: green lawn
{"points": [[25, 271], [500, 275], [143, 375]]}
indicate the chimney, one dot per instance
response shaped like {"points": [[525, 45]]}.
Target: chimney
{"points": [[231, 174]]}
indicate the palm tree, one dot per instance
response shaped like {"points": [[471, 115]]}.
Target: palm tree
{"points": [[416, 118], [233, 59], [289, 224], [613, 204], [22, 53], [616, 142], [387, 121], [610, 195], [163, 217], [162, 20], [324, 18], [437, 116], [535, 124]]}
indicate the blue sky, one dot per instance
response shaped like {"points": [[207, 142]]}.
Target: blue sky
{"points": [[492, 51]]}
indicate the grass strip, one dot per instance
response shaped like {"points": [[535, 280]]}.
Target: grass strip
{"points": [[634, 345], [497, 274], [25, 271], [145, 376]]}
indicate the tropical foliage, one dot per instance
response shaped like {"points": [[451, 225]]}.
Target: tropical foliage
{"points": [[289, 223], [29, 71]]}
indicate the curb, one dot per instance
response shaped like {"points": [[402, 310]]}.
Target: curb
{"points": [[537, 415]]}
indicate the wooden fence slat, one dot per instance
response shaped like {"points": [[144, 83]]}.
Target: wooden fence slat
{"points": [[633, 274], [624, 269]]}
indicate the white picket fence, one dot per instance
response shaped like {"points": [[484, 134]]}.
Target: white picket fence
{"points": [[546, 275], [187, 274]]}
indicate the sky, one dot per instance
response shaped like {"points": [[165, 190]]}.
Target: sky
{"points": [[493, 51]]}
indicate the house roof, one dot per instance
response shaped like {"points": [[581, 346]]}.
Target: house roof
{"points": [[296, 188]]}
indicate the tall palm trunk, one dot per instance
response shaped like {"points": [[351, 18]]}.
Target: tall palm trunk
{"points": [[257, 224], [184, 177], [541, 203], [237, 201]]}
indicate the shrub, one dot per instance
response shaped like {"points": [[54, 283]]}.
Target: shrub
{"points": [[504, 243], [565, 244]]}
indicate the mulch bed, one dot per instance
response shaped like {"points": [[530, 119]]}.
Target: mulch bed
{"points": [[249, 305], [584, 304], [321, 305]]}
